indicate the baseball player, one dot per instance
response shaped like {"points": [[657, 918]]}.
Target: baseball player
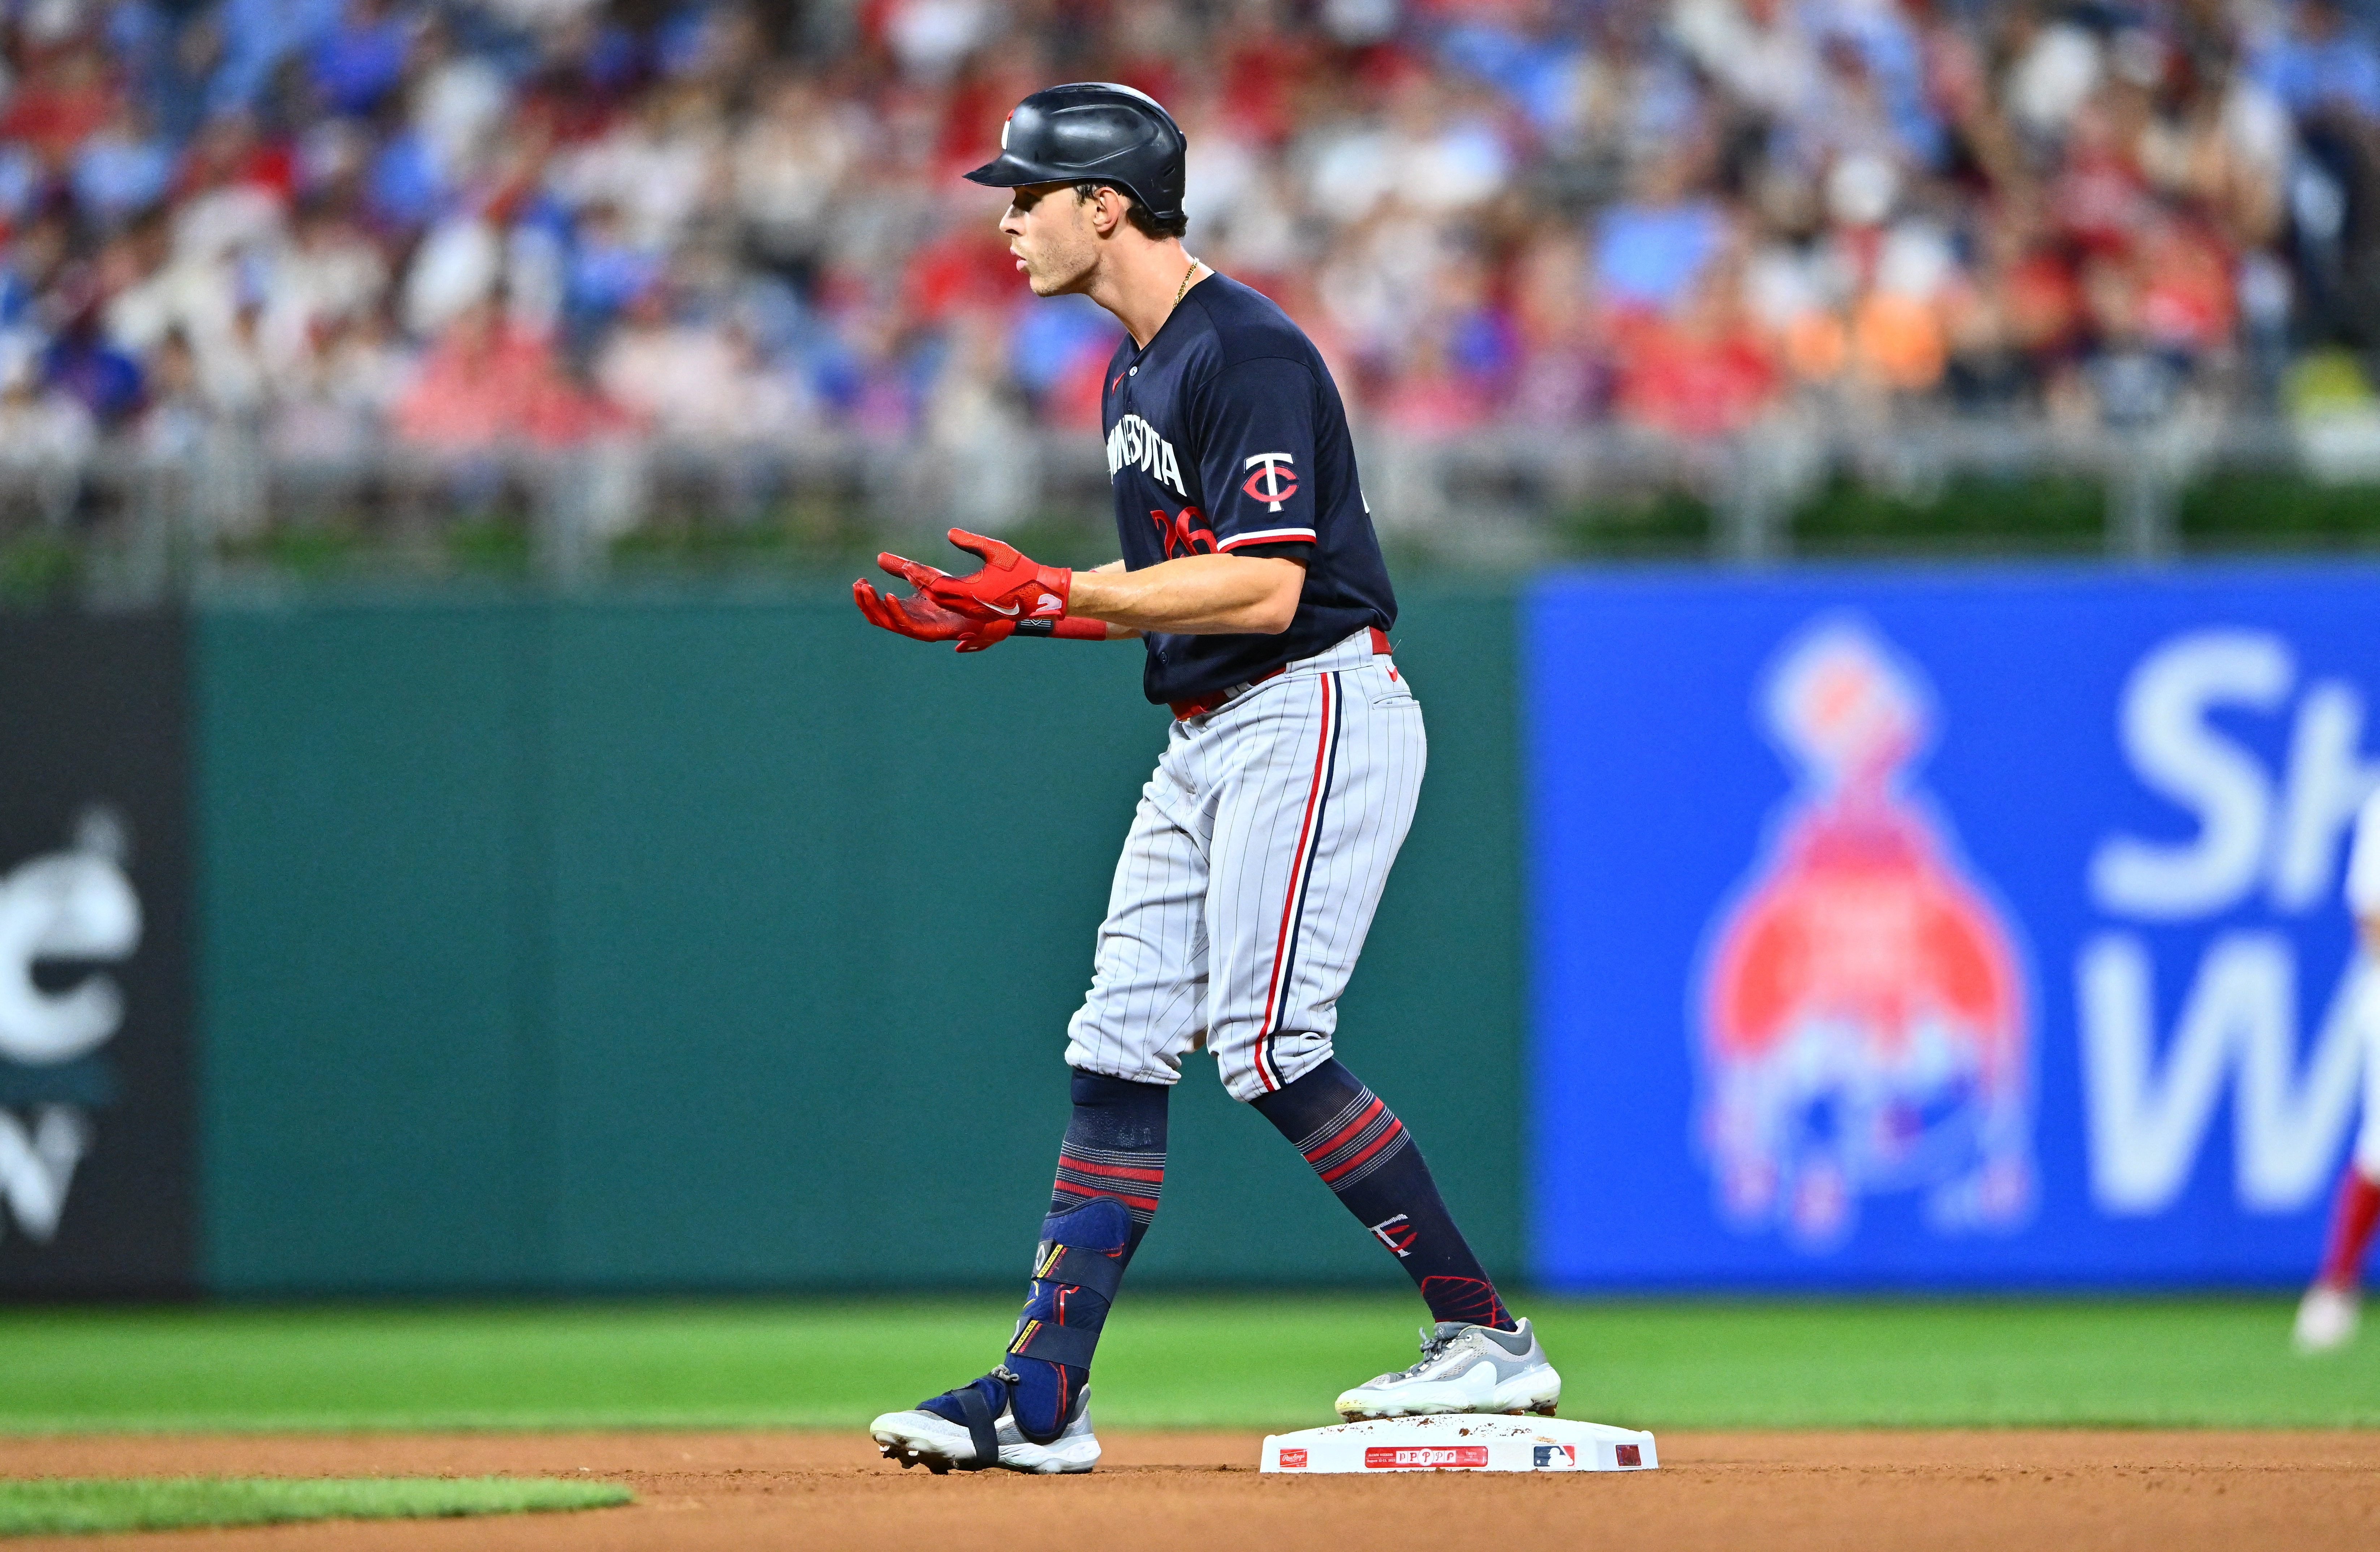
{"points": [[2328, 1314], [1252, 578]]}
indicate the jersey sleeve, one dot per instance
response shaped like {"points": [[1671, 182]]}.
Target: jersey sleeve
{"points": [[1256, 424], [2363, 860]]}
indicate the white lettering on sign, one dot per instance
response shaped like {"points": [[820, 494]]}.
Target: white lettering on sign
{"points": [[2323, 785], [2178, 755], [38, 1163], [2279, 835], [70, 905], [2148, 1120], [2248, 830]]}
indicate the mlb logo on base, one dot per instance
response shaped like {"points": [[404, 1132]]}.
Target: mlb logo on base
{"points": [[1461, 1442]]}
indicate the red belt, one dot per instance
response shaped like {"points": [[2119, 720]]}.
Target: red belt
{"points": [[1200, 705]]}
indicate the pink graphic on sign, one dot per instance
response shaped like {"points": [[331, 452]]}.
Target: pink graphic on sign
{"points": [[1862, 1014]]}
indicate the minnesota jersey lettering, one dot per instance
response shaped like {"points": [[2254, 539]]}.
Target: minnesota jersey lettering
{"points": [[1136, 444]]}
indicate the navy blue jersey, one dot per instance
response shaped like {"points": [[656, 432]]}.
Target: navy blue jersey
{"points": [[1226, 434]]}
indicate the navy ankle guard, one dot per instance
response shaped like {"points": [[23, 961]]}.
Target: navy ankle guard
{"points": [[1076, 1271]]}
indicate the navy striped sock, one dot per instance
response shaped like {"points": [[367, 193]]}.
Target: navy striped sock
{"points": [[1114, 1146], [1363, 1152]]}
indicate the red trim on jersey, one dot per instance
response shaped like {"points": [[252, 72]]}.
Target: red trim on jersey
{"points": [[1267, 536]]}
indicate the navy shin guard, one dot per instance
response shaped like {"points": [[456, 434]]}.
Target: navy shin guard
{"points": [[1111, 1169], [1077, 1270]]}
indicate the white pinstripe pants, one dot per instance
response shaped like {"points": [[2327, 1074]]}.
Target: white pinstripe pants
{"points": [[1254, 863]]}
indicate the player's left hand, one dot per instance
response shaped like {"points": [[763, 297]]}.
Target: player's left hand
{"points": [[1008, 586], [918, 617]]}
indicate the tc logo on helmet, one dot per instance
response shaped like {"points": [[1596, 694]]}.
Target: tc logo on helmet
{"points": [[1271, 483]]}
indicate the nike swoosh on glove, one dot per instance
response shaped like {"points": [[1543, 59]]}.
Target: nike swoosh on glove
{"points": [[1007, 586], [918, 617]]}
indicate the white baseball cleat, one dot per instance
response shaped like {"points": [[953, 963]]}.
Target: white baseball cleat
{"points": [[1463, 1368], [929, 1439], [2328, 1317]]}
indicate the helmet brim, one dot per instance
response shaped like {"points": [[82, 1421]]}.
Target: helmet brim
{"points": [[1006, 171]]}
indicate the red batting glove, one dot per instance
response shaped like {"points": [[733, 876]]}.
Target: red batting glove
{"points": [[1008, 586], [918, 617]]}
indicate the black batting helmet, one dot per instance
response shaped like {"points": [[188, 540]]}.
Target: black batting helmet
{"points": [[1092, 131]]}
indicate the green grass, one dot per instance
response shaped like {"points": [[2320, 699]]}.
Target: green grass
{"points": [[86, 1505], [1169, 1361]]}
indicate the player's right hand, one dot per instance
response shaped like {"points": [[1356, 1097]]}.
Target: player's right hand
{"points": [[918, 616]]}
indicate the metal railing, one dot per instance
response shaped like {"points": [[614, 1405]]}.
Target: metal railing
{"points": [[125, 525]]}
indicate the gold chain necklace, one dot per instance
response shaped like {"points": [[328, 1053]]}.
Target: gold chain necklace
{"points": [[1184, 288]]}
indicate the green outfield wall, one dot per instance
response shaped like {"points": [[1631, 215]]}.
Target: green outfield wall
{"points": [[667, 943]]}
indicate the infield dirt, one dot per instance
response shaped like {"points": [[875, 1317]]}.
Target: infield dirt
{"points": [[1164, 1492]]}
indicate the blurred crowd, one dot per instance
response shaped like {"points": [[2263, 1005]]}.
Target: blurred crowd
{"points": [[339, 224]]}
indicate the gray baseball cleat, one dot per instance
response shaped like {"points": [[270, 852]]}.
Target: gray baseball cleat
{"points": [[1464, 1368], [919, 1437]]}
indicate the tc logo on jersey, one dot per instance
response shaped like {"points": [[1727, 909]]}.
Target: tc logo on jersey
{"points": [[1271, 483], [1136, 444]]}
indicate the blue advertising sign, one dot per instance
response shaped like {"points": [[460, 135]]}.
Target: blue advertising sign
{"points": [[1947, 929]]}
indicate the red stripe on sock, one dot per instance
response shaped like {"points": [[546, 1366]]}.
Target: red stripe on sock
{"points": [[1110, 1171], [1396, 1130], [1465, 1299], [1323, 1150]]}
